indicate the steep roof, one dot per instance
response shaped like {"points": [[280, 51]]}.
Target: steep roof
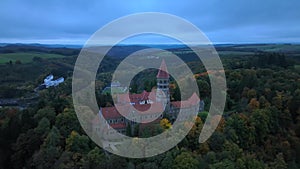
{"points": [[149, 108], [163, 71], [112, 112], [118, 125], [192, 101], [133, 98]]}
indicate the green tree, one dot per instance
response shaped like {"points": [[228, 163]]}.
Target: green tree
{"points": [[224, 164], [204, 88], [233, 151], [294, 105], [238, 129], [47, 112], [69, 160], [249, 162], [194, 133], [249, 78], [95, 159], [216, 141], [67, 122], [260, 120], [263, 102], [46, 157], [77, 143], [147, 165], [176, 93], [49, 152], [168, 161], [116, 162], [26, 144], [53, 138], [279, 162], [43, 127], [133, 88], [185, 161]]}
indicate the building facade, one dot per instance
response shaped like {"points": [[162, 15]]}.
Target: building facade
{"points": [[145, 107]]}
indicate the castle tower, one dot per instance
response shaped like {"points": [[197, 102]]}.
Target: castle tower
{"points": [[163, 94]]}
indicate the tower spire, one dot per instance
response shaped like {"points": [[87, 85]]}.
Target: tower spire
{"points": [[163, 71], [163, 94]]}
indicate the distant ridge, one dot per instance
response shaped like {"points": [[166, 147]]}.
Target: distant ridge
{"points": [[14, 48], [42, 45], [123, 50]]}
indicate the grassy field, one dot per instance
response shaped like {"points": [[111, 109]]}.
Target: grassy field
{"points": [[25, 57]]}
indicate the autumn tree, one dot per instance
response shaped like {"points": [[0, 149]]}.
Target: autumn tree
{"points": [[165, 124]]}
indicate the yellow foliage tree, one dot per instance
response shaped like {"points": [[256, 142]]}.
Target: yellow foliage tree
{"points": [[165, 124]]}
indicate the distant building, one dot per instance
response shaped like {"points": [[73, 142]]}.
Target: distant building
{"points": [[115, 84], [49, 82], [151, 107]]}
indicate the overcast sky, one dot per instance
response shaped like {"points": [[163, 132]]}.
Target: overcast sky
{"points": [[223, 21]]}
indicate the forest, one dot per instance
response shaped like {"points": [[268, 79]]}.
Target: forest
{"points": [[260, 127]]}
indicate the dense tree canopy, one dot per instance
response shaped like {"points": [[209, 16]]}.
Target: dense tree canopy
{"points": [[259, 129]]}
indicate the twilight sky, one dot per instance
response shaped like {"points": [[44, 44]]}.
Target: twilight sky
{"points": [[223, 21]]}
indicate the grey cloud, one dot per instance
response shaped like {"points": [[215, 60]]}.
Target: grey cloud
{"points": [[244, 20]]}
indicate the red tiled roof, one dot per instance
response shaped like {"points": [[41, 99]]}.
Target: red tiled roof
{"points": [[149, 108], [133, 98], [112, 112], [142, 107], [192, 101], [118, 125], [163, 72]]}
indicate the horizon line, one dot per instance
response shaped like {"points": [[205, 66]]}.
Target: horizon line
{"points": [[137, 44]]}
